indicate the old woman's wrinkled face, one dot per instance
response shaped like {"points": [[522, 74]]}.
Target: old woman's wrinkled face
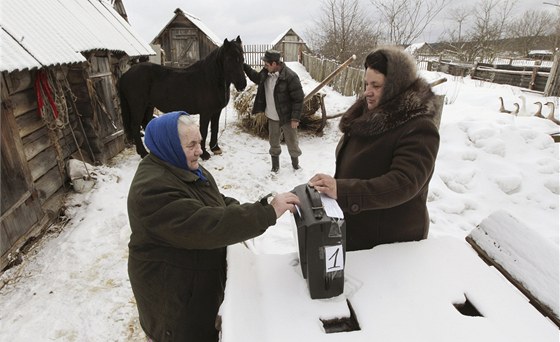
{"points": [[190, 138], [374, 82]]}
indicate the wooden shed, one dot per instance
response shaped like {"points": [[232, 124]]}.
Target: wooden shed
{"points": [[419, 49], [291, 45], [185, 40], [59, 63]]}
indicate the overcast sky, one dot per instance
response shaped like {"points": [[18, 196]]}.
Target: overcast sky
{"points": [[260, 22]]}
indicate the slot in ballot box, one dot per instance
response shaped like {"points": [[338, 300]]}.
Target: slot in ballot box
{"points": [[321, 236]]}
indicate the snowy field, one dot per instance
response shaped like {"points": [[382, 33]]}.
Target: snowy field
{"points": [[73, 286]]}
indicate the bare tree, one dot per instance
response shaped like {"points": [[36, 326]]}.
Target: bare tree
{"points": [[531, 28], [459, 16], [491, 18], [454, 35], [405, 20], [342, 30]]}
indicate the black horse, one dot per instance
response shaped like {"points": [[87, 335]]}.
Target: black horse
{"points": [[202, 88]]}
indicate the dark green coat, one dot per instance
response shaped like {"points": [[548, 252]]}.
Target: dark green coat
{"points": [[288, 94], [384, 164], [181, 226]]}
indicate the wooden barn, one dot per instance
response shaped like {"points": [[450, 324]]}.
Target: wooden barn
{"points": [[185, 40], [291, 45], [59, 63], [419, 49]]}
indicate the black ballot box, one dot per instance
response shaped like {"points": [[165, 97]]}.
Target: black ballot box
{"points": [[321, 241]]}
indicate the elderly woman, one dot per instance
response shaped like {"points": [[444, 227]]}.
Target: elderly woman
{"points": [[181, 225], [386, 156]]}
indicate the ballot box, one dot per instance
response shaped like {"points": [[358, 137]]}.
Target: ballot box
{"points": [[321, 236]]}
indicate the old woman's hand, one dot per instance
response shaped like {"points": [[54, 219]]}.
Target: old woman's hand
{"points": [[284, 202]]}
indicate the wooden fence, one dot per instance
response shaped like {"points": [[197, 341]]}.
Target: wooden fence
{"points": [[253, 54], [530, 77], [540, 78], [348, 82], [553, 84]]}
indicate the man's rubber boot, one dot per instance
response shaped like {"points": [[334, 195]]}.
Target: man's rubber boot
{"points": [[275, 163], [295, 163]]}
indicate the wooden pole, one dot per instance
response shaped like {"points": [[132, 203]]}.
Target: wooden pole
{"points": [[552, 87], [438, 82], [329, 78]]}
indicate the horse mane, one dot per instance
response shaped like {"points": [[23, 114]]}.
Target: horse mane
{"points": [[214, 56]]}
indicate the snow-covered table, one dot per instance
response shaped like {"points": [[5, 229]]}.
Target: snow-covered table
{"points": [[399, 292]]}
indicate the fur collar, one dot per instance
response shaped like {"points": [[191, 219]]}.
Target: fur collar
{"points": [[417, 100]]}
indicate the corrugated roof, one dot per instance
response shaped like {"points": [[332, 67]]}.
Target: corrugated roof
{"points": [[49, 32], [13, 56]]}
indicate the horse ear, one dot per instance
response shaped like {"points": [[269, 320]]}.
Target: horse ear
{"points": [[238, 39], [226, 41]]}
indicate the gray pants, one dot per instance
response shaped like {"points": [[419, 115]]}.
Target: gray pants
{"points": [[290, 136]]}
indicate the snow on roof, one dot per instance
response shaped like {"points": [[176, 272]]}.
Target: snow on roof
{"points": [[50, 32], [277, 39], [413, 47], [540, 52], [211, 35], [197, 22], [520, 62]]}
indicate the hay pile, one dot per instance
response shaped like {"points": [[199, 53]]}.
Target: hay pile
{"points": [[257, 124]]}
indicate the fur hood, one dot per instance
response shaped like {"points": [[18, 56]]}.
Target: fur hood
{"points": [[417, 100], [405, 96]]}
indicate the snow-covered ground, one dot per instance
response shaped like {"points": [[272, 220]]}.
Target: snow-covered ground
{"points": [[73, 286]]}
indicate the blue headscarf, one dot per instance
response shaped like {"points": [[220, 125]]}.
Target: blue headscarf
{"points": [[162, 139]]}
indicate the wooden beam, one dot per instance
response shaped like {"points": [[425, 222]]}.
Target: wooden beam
{"points": [[542, 308]]}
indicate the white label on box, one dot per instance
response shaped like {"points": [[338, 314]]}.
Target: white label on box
{"points": [[334, 258], [332, 209]]}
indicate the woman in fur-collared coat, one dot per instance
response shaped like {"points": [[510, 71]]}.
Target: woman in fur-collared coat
{"points": [[386, 157]]}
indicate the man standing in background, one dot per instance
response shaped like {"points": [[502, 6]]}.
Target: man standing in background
{"points": [[280, 97]]}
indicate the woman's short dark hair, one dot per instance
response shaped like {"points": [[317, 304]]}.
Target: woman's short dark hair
{"points": [[378, 61]]}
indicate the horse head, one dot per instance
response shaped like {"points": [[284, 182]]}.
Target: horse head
{"points": [[232, 62]]}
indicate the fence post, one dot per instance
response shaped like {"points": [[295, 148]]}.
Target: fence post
{"points": [[534, 75], [473, 72], [552, 87]]}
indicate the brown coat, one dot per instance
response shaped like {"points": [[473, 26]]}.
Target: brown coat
{"points": [[384, 164]]}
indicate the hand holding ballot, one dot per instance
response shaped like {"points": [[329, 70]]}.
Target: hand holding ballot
{"points": [[284, 202], [324, 183]]}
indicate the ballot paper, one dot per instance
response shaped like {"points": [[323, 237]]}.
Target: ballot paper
{"points": [[332, 209]]}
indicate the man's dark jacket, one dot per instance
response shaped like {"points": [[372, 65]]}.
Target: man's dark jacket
{"points": [[181, 226], [288, 94]]}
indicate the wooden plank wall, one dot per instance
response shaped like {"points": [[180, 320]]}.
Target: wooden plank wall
{"points": [[37, 138], [35, 147], [103, 91], [99, 108], [33, 189]]}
